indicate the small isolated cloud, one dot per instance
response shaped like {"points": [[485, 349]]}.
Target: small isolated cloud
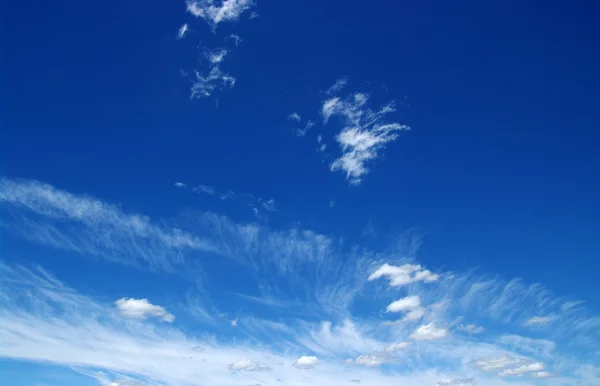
{"points": [[470, 328], [254, 15], [337, 86], [397, 346], [204, 85], [539, 320], [429, 332], [365, 133], [180, 185], [182, 31], [269, 205], [457, 382], [411, 305], [306, 362], [234, 323], [248, 365], [294, 117], [403, 275], [304, 131], [213, 13], [142, 309], [331, 203], [236, 39], [216, 56]]}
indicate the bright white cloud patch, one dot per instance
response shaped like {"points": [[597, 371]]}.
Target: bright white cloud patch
{"points": [[411, 305], [215, 12], [429, 332], [403, 275], [306, 362], [216, 56], [364, 136], [182, 31], [518, 371], [142, 309], [397, 346]]}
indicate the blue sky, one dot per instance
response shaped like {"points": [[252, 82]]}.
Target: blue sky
{"points": [[282, 193]]}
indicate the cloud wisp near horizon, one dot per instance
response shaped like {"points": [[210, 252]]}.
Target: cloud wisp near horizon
{"points": [[309, 308]]}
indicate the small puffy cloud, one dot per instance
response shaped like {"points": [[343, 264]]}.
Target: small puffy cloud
{"points": [[429, 332], [470, 328], [405, 304], [397, 346], [518, 371], [294, 117], [539, 320], [457, 382], [213, 13], [234, 323], [180, 185], [403, 275], [142, 309], [216, 56], [182, 31], [306, 362], [248, 365]]}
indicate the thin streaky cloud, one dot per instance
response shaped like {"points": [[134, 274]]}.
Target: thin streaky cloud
{"points": [[204, 86], [337, 86], [216, 56], [539, 320], [180, 185], [294, 117], [183, 30], [44, 214]]}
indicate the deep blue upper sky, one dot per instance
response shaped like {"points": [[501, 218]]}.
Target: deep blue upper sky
{"points": [[500, 169]]}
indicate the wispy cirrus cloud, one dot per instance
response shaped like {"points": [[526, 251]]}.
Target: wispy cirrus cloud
{"points": [[183, 30], [364, 135], [86, 225], [326, 295]]}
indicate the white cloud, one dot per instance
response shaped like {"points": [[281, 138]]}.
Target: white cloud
{"points": [[234, 323], [142, 309], [182, 31], [306, 362], [41, 213], [518, 371], [294, 117], [248, 365], [495, 364], [542, 374], [216, 56], [405, 304], [539, 320], [429, 332], [364, 135], [337, 86], [204, 85], [180, 185], [304, 131], [457, 382], [269, 205], [236, 39], [471, 328], [228, 10], [403, 275], [397, 346]]}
